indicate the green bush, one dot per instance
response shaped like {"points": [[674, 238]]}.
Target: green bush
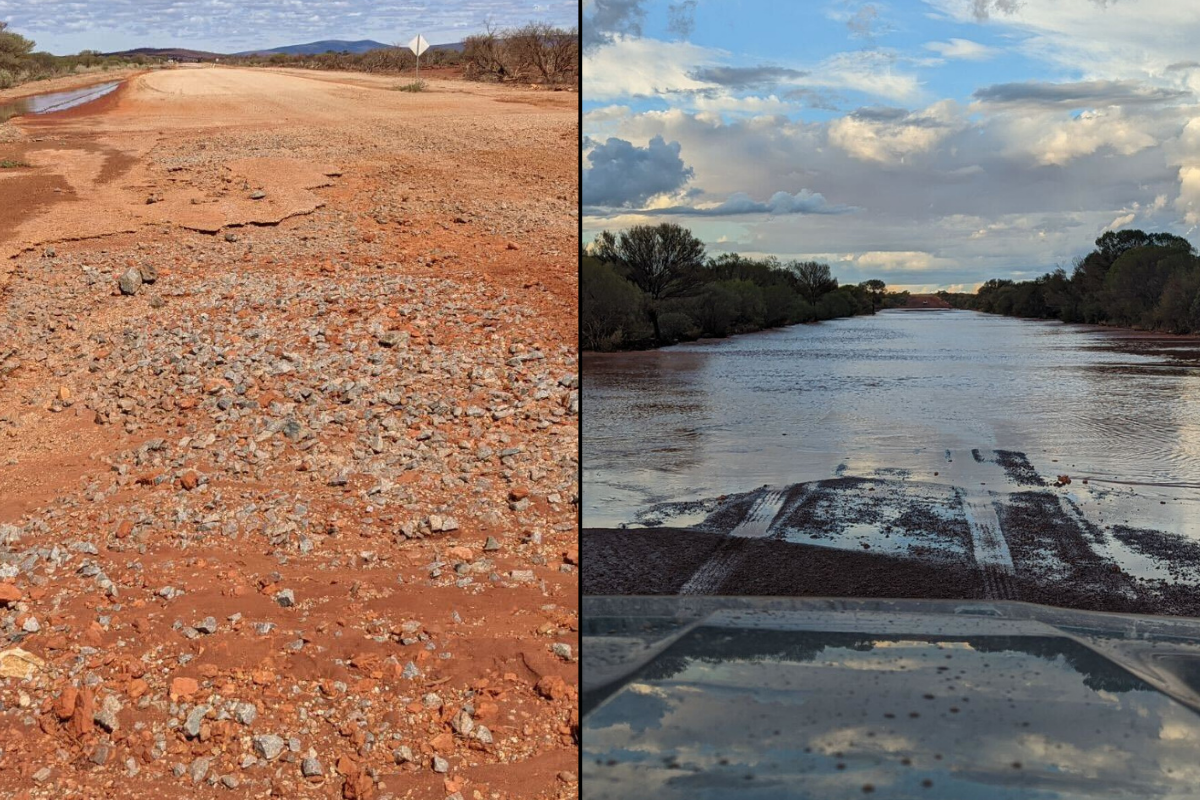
{"points": [[676, 326], [653, 284], [611, 314], [715, 309]]}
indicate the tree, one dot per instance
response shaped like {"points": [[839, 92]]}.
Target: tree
{"points": [[813, 279], [1135, 282], [874, 289], [547, 52], [663, 261], [13, 48]]}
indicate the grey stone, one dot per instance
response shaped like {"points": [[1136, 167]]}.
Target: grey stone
{"points": [[199, 769], [195, 717], [268, 746], [311, 768], [245, 713], [286, 598], [462, 723], [106, 715], [130, 281], [101, 753]]}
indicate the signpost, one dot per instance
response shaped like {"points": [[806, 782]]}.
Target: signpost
{"points": [[418, 45]]}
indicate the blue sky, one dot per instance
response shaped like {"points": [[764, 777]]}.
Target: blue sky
{"points": [[930, 143], [68, 26]]}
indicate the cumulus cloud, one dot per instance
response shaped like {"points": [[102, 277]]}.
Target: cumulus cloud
{"points": [[963, 49], [1089, 133], [892, 135], [622, 174]]}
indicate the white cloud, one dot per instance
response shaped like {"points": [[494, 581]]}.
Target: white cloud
{"points": [[892, 139], [901, 261], [636, 67], [1052, 139], [964, 49], [872, 72]]}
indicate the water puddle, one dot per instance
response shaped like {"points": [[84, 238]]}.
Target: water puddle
{"points": [[55, 101]]}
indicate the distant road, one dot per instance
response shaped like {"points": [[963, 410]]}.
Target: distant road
{"points": [[90, 175]]}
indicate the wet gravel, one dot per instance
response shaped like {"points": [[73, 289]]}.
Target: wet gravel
{"points": [[660, 561], [1018, 469]]}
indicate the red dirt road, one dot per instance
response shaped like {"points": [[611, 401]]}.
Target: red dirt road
{"points": [[296, 517]]}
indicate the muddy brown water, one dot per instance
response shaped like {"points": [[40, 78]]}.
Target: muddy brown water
{"points": [[924, 399], [55, 101]]}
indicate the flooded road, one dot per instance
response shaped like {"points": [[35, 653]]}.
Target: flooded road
{"points": [[937, 434], [55, 101]]}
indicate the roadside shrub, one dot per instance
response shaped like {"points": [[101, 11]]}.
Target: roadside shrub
{"points": [[7, 79], [801, 311], [535, 53], [677, 326], [716, 309], [834, 304], [611, 315], [415, 86]]}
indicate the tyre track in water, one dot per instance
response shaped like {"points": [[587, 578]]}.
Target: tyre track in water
{"points": [[987, 539], [729, 555], [712, 573], [757, 522]]}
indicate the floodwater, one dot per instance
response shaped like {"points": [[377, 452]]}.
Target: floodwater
{"points": [[902, 394], [55, 101]]}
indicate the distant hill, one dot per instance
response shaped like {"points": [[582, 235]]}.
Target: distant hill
{"points": [[316, 48], [177, 53], [338, 46], [310, 49]]}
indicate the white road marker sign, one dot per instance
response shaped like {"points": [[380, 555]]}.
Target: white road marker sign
{"points": [[418, 45]]}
